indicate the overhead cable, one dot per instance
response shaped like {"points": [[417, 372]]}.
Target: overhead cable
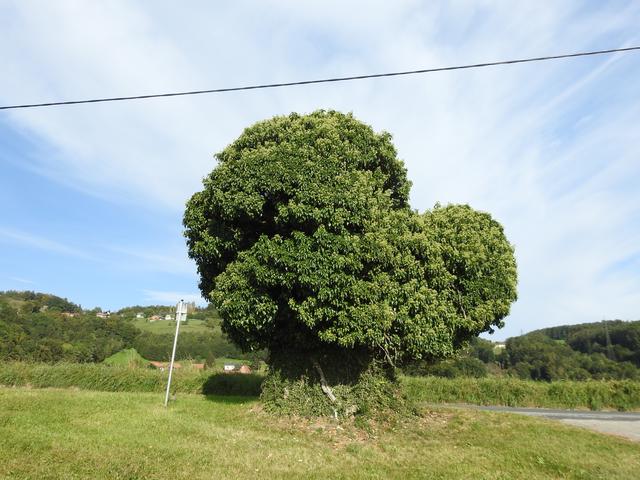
{"points": [[324, 80]]}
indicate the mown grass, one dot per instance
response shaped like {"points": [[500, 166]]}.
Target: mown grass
{"points": [[52, 434], [593, 394]]}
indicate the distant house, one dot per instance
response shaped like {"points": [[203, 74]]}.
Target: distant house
{"points": [[69, 314], [106, 314], [162, 366], [168, 317], [139, 315], [154, 318], [233, 368]]}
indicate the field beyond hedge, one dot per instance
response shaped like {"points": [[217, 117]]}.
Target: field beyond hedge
{"points": [[54, 433]]}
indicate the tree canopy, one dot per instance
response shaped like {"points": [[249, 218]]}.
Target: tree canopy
{"points": [[304, 240]]}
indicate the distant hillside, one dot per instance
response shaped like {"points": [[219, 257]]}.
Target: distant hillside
{"points": [[37, 302], [43, 327], [618, 340], [599, 350]]}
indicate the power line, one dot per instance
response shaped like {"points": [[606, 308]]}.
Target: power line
{"points": [[325, 80]]}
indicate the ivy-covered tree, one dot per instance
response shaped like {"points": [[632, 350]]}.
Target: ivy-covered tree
{"points": [[306, 245]]}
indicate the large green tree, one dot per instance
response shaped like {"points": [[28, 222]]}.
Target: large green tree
{"points": [[305, 242]]}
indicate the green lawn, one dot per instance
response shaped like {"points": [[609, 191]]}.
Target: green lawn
{"points": [[54, 433], [168, 326]]}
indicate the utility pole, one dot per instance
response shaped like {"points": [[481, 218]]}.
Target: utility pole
{"points": [[181, 315]]}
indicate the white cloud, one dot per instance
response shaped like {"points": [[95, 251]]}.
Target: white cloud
{"points": [[550, 148]]}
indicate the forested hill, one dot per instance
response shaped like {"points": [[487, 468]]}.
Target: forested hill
{"points": [[37, 302], [46, 328], [618, 340], [599, 350]]}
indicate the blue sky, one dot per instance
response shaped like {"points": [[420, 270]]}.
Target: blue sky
{"points": [[94, 194]]}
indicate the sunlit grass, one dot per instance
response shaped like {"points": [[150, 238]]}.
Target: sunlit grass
{"points": [[54, 433]]}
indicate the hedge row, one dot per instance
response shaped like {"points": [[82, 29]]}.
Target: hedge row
{"points": [[592, 394], [595, 395], [92, 376]]}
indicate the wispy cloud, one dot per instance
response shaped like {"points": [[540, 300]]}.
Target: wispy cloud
{"points": [[25, 239], [22, 280]]}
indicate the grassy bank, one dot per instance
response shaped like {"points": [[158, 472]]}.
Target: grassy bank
{"points": [[51, 434], [595, 395]]}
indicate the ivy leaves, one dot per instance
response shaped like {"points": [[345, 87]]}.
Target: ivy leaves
{"points": [[303, 236]]}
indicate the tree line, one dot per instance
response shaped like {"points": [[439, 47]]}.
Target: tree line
{"points": [[38, 327], [601, 350]]}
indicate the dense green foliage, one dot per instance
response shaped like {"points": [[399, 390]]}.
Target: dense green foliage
{"points": [[305, 243], [49, 335]]}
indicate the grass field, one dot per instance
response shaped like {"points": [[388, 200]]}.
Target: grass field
{"points": [[166, 326], [53, 433]]}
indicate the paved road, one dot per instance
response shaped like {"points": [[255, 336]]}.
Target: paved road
{"points": [[624, 424]]}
